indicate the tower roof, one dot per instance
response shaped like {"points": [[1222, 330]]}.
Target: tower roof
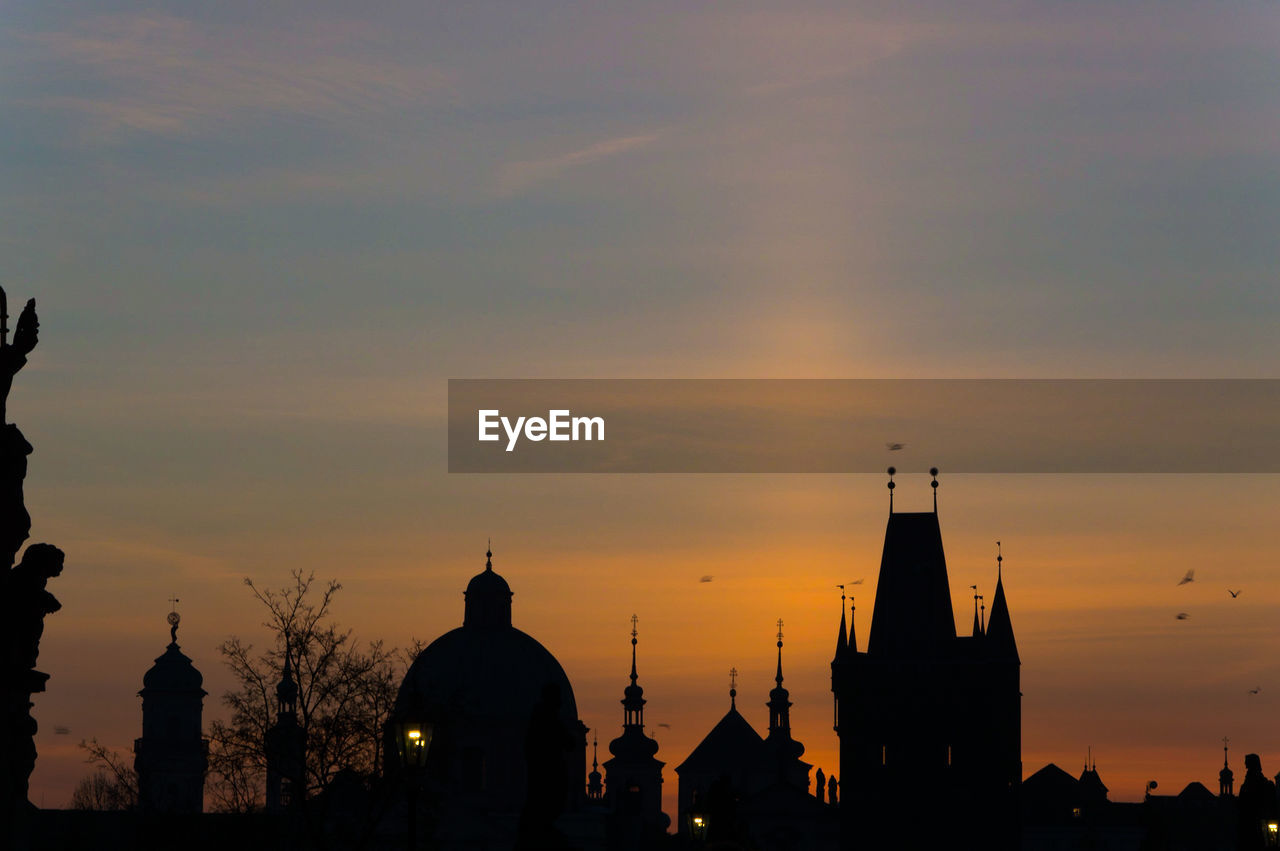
{"points": [[912, 614], [732, 745], [173, 671], [488, 599], [1000, 638]]}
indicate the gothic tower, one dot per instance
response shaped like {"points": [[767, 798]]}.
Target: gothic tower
{"points": [[633, 777], [172, 754], [286, 746], [929, 721]]}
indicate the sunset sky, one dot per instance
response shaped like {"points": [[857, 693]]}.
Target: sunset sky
{"points": [[263, 236]]}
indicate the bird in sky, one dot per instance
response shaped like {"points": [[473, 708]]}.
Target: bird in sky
{"points": [[1182, 616], [668, 726], [856, 582], [707, 578], [1234, 594], [61, 730], [1255, 689], [895, 447], [1190, 577]]}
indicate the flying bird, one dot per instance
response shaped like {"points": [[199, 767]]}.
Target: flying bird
{"points": [[1234, 594], [856, 582], [1182, 616], [706, 579], [668, 726], [1255, 689], [61, 731], [894, 447], [1190, 577]]}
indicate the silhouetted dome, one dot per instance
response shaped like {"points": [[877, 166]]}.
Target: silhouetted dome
{"points": [[487, 673], [172, 671], [480, 686], [488, 599]]}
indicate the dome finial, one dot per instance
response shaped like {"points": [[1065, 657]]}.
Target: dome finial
{"points": [[933, 471], [891, 471], [488, 555], [174, 619], [733, 688]]}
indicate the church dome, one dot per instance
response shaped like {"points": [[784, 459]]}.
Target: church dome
{"points": [[173, 670], [484, 687], [487, 673]]}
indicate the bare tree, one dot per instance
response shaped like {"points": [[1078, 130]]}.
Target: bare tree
{"points": [[113, 785], [346, 691]]}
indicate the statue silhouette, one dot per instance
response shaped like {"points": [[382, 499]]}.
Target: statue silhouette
{"points": [[1257, 805], [24, 602]]}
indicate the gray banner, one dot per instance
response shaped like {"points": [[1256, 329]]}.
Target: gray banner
{"points": [[864, 425]]}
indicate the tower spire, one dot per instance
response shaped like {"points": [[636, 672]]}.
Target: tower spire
{"points": [[733, 688], [933, 471], [977, 624], [779, 698], [891, 471], [1000, 630], [634, 620], [853, 637], [842, 640], [778, 677], [488, 556], [633, 695]]}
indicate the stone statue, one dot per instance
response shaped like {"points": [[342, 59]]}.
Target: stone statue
{"points": [[24, 600]]}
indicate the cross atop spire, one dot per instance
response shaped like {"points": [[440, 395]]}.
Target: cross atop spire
{"points": [[634, 620], [633, 700], [733, 688], [778, 678]]}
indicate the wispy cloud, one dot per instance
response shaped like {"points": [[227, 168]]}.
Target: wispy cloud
{"points": [[162, 74], [515, 177]]}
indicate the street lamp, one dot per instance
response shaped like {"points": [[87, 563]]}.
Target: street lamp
{"points": [[411, 732], [698, 825]]}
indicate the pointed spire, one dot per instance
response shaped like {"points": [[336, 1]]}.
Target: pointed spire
{"points": [[842, 640], [1000, 630], [778, 677], [633, 695], [891, 471], [779, 698], [933, 471], [977, 626], [634, 621], [853, 637]]}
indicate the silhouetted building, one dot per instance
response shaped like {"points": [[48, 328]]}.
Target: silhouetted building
{"points": [[929, 721], [172, 754], [286, 746], [754, 791], [1226, 778], [482, 685], [633, 777], [729, 764]]}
